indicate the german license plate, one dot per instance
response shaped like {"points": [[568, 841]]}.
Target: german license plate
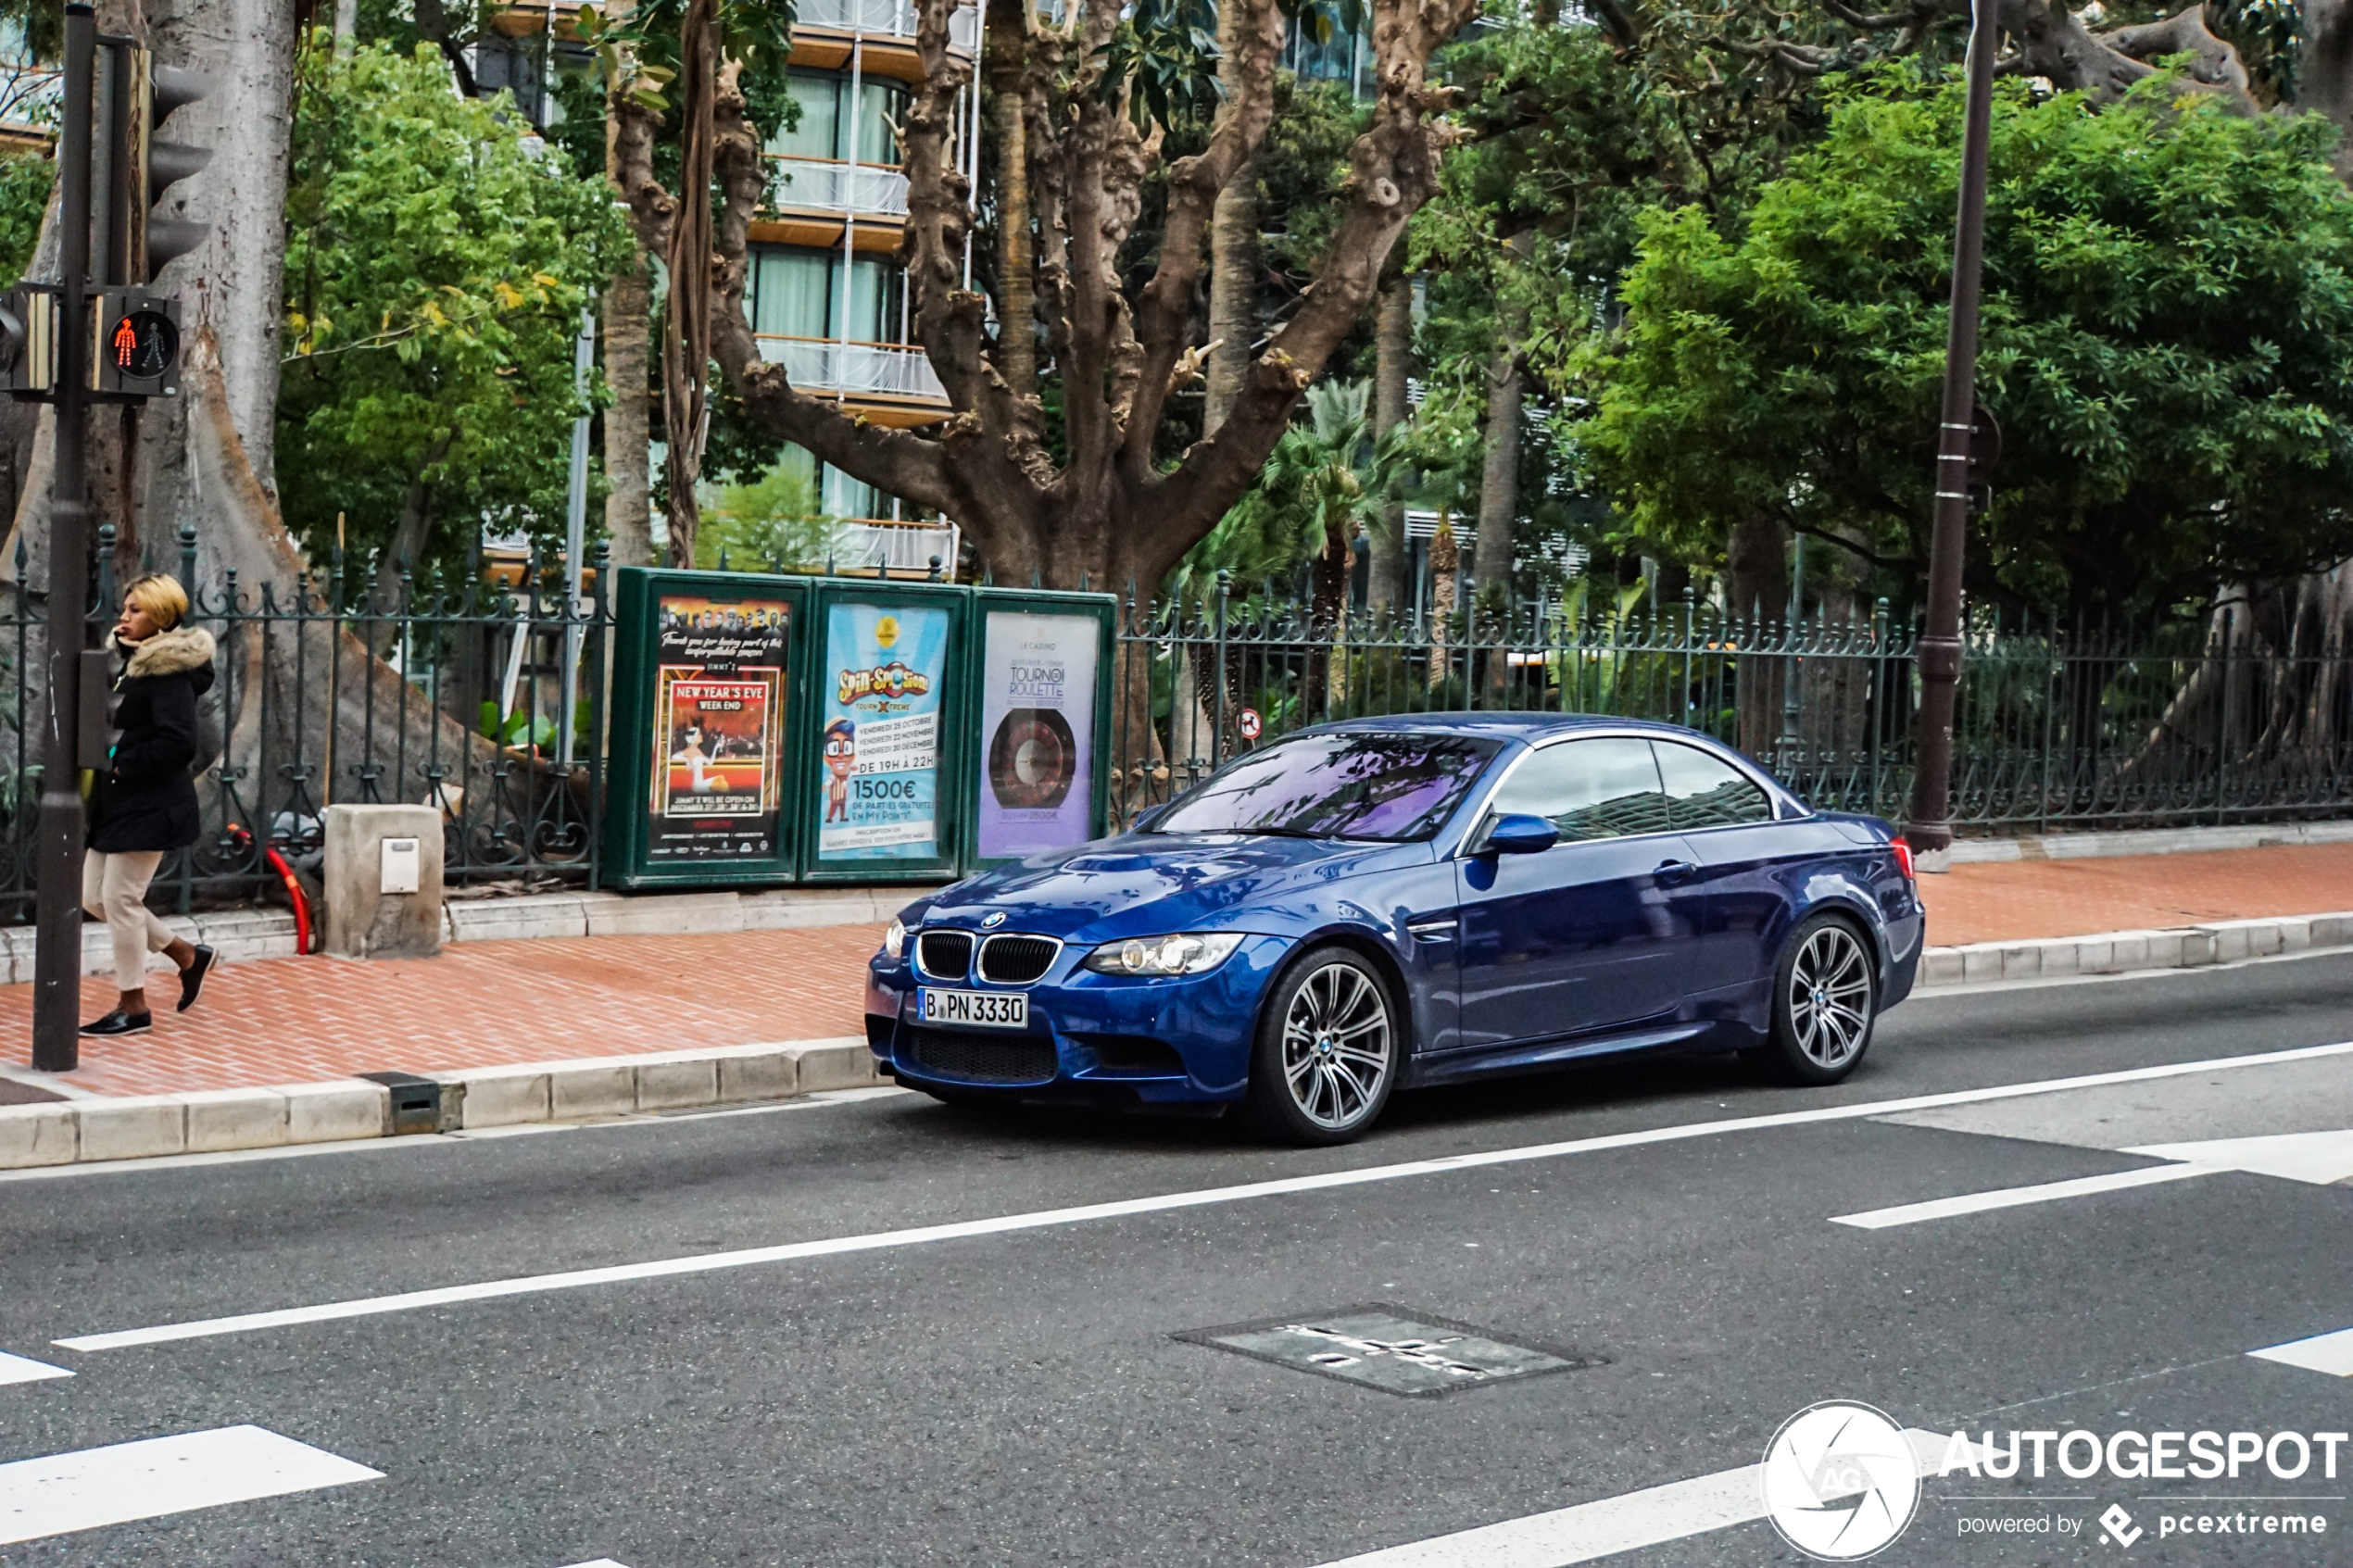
{"points": [[975, 1010]]}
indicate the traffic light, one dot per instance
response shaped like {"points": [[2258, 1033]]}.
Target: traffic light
{"points": [[131, 168], [134, 345], [162, 165], [28, 341]]}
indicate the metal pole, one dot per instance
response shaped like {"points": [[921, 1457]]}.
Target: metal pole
{"points": [[1929, 829], [584, 355], [57, 995], [1792, 666]]}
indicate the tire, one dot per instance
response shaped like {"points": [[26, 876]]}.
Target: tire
{"points": [[1824, 1003], [1330, 1042]]}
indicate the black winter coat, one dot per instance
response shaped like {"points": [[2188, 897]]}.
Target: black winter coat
{"points": [[146, 799]]}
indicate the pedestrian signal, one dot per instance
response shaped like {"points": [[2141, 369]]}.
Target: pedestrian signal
{"points": [[136, 351]]}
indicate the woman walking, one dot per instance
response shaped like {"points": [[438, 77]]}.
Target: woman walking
{"points": [[145, 803]]}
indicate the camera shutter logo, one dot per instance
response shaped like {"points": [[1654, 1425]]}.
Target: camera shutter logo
{"points": [[1839, 1481]]}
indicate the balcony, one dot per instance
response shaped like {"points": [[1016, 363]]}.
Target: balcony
{"points": [[889, 378], [867, 190], [893, 549], [884, 19]]}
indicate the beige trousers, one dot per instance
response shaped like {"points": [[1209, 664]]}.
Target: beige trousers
{"points": [[114, 889]]}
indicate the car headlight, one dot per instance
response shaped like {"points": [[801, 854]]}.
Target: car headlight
{"points": [[894, 939], [1165, 955]]}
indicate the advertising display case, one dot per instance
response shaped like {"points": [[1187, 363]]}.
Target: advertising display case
{"points": [[1042, 689], [708, 687], [886, 733]]}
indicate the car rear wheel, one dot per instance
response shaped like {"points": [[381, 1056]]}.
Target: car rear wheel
{"points": [[1825, 1000], [1329, 1045]]}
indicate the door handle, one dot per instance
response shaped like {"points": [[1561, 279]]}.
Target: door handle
{"points": [[1676, 871]]}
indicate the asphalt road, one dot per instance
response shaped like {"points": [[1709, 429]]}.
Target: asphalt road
{"points": [[885, 1381]]}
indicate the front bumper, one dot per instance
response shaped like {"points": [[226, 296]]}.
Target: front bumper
{"points": [[1181, 1040]]}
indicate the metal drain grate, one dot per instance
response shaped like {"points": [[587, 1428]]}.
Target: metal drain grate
{"points": [[1395, 1350]]}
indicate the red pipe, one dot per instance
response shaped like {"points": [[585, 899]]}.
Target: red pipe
{"points": [[293, 887]]}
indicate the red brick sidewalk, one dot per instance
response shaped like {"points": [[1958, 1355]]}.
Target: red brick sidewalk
{"points": [[2017, 900], [482, 1004]]}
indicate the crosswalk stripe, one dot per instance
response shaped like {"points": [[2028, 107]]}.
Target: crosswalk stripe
{"points": [[156, 1477], [1603, 1528], [2012, 1197], [20, 1369], [2331, 1353]]}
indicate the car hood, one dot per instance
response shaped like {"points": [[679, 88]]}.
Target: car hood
{"points": [[1143, 885]]}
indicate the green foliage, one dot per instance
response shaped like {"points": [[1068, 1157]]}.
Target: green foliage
{"points": [[772, 521], [436, 273], [1162, 58], [2167, 329], [1320, 479], [25, 183]]}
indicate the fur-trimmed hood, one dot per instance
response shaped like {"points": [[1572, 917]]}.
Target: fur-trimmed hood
{"points": [[167, 653]]}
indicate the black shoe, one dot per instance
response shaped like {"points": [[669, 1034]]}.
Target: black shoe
{"points": [[120, 1023], [191, 978]]}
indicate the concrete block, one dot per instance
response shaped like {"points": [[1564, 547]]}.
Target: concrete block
{"points": [[38, 1134], [2061, 958], [798, 910], [2331, 930], [2265, 939], [494, 1096], [2166, 950], [2131, 951], [221, 1119], [673, 1086], [582, 1089], [1940, 966], [363, 921], [684, 914], [2295, 933], [2023, 960], [772, 1073], [337, 1109], [2094, 956], [508, 919], [1980, 962], [137, 1128], [833, 1064]]}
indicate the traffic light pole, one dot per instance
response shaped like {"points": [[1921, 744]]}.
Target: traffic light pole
{"points": [[1929, 829], [56, 996]]}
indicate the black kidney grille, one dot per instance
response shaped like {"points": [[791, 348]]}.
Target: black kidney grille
{"points": [[983, 1059], [945, 955], [1016, 960]]}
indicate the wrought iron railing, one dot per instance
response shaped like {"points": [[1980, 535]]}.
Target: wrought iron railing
{"points": [[2173, 726], [365, 689]]}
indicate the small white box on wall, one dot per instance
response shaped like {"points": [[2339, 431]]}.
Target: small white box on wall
{"points": [[399, 868]]}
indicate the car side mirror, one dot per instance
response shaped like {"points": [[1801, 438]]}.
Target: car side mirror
{"points": [[1520, 833], [1142, 820]]}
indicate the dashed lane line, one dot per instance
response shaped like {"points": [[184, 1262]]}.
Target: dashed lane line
{"points": [[2331, 1353], [158, 1476], [2013, 1197], [706, 1263], [20, 1369]]}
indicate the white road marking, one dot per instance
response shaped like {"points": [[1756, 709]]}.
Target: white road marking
{"points": [[2012, 1197], [532, 1284], [601, 1563], [2331, 1353], [16, 1369], [161, 1475], [1627, 1523], [2322, 1159]]}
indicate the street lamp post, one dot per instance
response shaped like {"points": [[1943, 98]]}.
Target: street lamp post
{"points": [[1929, 827]]}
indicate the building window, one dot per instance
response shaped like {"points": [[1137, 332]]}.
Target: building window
{"points": [[823, 99], [796, 292]]}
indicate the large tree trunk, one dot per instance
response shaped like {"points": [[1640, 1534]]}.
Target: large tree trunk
{"points": [[1393, 364], [686, 339], [628, 305], [1233, 248], [1009, 28]]}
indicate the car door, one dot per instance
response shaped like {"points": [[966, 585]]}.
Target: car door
{"points": [[1743, 851], [1592, 932]]}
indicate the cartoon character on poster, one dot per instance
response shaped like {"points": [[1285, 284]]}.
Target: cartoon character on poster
{"points": [[885, 669], [1038, 710]]}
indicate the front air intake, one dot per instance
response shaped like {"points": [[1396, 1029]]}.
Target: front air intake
{"points": [[945, 955], [1016, 960]]}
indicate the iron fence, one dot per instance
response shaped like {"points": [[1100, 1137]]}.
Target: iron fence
{"points": [[486, 702], [2168, 726]]}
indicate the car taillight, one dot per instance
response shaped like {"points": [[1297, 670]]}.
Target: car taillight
{"points": [[1903, 857]]}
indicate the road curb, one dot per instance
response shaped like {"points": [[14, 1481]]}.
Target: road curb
{"points": [[2122, 952], [2147, 841], [89, 1131]]}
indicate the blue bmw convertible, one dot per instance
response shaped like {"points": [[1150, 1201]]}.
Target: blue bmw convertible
{"points": [[1386, 903]]}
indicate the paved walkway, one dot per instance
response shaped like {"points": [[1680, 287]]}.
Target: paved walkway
{"points": [[285, 1021]]}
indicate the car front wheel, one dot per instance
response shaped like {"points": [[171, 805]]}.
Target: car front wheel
{"points": [[1825, 1000], [1329, 1045]]}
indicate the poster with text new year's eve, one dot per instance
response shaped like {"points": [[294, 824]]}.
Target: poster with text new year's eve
{"points": [[1037, 732], [718, 712], [878, 790]]}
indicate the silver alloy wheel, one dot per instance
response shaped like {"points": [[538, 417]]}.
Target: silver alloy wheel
{"points": [[1337, 1046], [1830, 997]]}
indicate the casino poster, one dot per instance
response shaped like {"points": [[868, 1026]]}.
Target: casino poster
{"points": [[719, 698], [1038, 726], [878, 784]]}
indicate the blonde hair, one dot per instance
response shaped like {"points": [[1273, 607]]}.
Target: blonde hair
{"points": [[159, 594]]}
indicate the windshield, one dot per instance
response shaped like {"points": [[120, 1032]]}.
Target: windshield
{"points": [[1384, 786]]}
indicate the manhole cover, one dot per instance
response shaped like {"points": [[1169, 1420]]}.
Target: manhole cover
{"points": [[1392, 1348]]}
